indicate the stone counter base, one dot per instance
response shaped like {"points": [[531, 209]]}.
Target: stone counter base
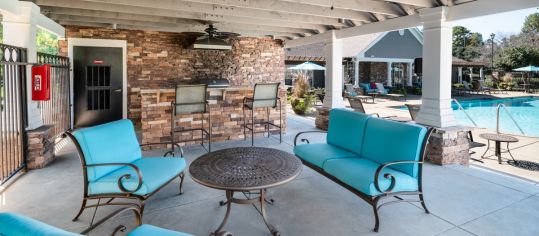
{"points": [[449, 146], [226, 117]]}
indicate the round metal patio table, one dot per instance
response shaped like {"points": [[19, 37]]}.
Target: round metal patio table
{"points": [[498, 139], [246, 170]]}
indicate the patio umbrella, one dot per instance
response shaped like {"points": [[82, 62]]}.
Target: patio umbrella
{"points": [[528, 69], [307, 66]]}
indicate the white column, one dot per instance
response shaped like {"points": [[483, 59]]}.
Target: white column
{"points": [[356, 71], [410, 74], [481, 74], [460, 74], [20, 31], [471, 74], [334, 72], [389, 76], [436, 108]]}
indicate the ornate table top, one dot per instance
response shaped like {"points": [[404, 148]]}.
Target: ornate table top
{"points": [[499, 138], [245, 168]]}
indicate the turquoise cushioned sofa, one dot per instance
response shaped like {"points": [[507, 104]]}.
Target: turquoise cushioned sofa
{"points": [[113, 167], [372, 157], [12, 224]]}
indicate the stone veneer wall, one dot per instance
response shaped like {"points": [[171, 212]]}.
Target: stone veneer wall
{"points": [[226, 117], [40, 147], [162, 59], [373, 72]]}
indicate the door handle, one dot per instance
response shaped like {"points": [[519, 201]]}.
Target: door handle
{"points": [[118, 90]]}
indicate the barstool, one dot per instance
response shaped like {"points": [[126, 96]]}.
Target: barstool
{"points": [[264, 96], [190, 99]]}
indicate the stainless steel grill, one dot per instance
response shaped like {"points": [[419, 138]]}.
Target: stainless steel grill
{"points": [[214, 83]]}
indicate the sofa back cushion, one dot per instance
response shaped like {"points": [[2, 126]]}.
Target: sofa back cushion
{"points": [[388, 141], [114, 142], [346, 129]]}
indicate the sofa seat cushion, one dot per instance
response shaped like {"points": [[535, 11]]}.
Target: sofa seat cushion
{"points": [[156, 171], [18, 225], [359, 174], [318, 153], [145, 230]]}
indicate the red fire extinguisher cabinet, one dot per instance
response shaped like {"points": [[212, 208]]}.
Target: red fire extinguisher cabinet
{"points": [[41, 82]]}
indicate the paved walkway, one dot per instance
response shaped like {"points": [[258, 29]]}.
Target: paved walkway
{"points": [[463, 201]]}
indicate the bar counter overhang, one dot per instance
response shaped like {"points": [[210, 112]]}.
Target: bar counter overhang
{"points": [[226, 115]]}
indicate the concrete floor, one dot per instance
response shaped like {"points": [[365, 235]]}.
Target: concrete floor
{"points": [[463, 201]]}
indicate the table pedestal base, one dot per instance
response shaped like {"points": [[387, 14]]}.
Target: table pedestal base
{"points": [[260, 199]]}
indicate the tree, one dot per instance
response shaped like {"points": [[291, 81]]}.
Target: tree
{"points": [[466, 44], [46, 42], [531, 24], [516, 57]]}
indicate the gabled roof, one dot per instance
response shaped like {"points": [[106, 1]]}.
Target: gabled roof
{"points": [[352, 46]]}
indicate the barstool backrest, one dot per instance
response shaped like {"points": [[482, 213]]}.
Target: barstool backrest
{"points": [[265, 95], [190, 99]]}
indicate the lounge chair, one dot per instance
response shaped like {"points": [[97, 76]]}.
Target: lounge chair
{"points": [[12, 224], [467, 88], [381, 90], [484, 88], [351, 92], [414, 111], [113, 167], [357, 105]]}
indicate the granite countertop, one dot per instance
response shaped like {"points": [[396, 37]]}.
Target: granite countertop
{"points": [[171, 90]]}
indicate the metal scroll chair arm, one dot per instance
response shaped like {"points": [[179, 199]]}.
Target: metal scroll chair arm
{"points": [[306, 132], [389, 176], [126, 176], [135, 210], [171, 152]]}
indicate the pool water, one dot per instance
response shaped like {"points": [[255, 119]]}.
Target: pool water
{"points": [[525, 110]]}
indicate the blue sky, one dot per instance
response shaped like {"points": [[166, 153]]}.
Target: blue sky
{"points": [[500, 24]]}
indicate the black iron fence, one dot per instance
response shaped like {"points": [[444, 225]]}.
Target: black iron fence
{"points": [[13, 120], [57, 111]]}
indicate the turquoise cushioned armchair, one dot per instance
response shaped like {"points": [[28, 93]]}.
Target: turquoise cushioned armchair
{"points": [[113, 167], [372, 157], [12, 224]]}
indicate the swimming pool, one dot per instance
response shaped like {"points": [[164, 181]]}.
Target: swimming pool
{"points": [[525, 110]]}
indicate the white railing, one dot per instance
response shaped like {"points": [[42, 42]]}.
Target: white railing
{"points": [[510, 116], [465, 113]]}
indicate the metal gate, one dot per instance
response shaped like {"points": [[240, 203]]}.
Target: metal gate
{"points": [[57, 111], [13, 62]]}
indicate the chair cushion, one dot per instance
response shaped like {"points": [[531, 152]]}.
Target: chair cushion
{"points": [[156, 171], [387, 141], [318, 153], [108, 143], [146, 230], [359, 174], [346, 129], [12, 224]]}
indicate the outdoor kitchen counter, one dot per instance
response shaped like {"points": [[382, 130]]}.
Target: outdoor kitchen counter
{"points": [[226, 115]]}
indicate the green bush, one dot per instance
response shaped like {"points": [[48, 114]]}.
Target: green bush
{"points": [[299, 106]]}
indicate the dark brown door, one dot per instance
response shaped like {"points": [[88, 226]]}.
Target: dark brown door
{"points": [[97, 85]]}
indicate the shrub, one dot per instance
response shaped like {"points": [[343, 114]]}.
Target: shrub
{"points": [[299, 106], [301, 86]]}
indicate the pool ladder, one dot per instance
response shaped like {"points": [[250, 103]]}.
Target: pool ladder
{"points": [[510, 116], [465, 113]]}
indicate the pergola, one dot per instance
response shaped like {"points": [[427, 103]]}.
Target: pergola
{"points": [[297, 22]]}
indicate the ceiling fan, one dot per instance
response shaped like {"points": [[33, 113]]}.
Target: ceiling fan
{"points": [[213, 39]]}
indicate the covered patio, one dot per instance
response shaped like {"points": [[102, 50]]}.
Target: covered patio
{"points": [[121, 69], [463, 201]]}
